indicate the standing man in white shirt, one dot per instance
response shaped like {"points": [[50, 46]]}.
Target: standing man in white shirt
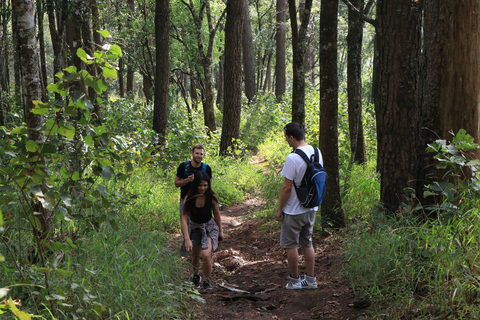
{"points": [[297, 221]]}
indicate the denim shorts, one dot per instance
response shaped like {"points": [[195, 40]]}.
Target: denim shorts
{"points": [[196, 236]]}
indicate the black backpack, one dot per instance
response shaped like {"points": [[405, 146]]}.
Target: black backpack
{"points": [[312, 189], [187, 168]]}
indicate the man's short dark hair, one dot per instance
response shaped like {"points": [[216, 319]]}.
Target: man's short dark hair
{"points": [[295, 130], [198, 146]]}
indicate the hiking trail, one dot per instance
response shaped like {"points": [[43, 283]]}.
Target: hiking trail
{"points": [[250, 273]]}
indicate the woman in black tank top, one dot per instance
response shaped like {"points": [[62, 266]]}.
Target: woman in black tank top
{"points": [[204, 229]]}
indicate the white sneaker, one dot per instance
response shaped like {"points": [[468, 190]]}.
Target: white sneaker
{"points": [[308, 285], [294, 284]]}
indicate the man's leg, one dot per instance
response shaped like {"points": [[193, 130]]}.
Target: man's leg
{"points": [[309, 255], [292, 258]]}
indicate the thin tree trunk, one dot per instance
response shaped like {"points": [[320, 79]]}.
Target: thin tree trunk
{"points": [[354, 84], [162, 70], [233, 76], [41, 40], [248, 55], [220, 82], [328, 141], [299, 45], [280, 37]]}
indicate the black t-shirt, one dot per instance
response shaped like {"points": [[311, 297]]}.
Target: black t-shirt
{"points": [[183, 171], [202, 215]]}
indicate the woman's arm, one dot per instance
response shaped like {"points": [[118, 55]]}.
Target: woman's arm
{"points": [[217, 217], [186, 235]]}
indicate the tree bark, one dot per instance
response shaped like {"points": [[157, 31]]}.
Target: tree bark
{"points": [[397, 111], [220, 82], [332, 202], [233, 76], [354, 84], [280, 37], [299, 44], [41, 40], [130, 70], [450, 92], [32, 90], [248, 55], [162, 70]]}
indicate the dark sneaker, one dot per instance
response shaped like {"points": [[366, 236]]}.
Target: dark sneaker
{"points": [[207, 285], [196, 279]]}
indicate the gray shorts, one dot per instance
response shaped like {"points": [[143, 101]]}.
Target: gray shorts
{"points": [[297, 230]]}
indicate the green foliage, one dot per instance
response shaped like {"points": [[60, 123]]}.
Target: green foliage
{"points": [[424, 267]]}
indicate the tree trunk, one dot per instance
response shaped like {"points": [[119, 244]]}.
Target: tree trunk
{"points": [[41, 40], [97, 43], [162, 70], [397, 111], [299, 45], [32, 90], [280, 37], [450, 93], [248, 56], [220, 82], [233, 76], [147, 88], [130, 70], [206, 57], [17, 66], [57, 26], [193, 89], [354, 84], [332, 202]]}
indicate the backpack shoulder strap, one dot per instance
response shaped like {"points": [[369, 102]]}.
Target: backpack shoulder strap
{"points": [[302, 154], [204, 167], [186, 164]]}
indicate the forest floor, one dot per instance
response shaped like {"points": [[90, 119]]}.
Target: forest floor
{"points": [[250, 273]]}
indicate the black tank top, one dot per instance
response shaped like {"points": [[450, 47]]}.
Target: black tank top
{"points": [[202, 215]]}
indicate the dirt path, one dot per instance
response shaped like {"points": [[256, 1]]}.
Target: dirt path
{"points": [[251, 260]]}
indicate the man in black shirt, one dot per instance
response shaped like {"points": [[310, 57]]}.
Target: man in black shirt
{"points": [[185, 174]]}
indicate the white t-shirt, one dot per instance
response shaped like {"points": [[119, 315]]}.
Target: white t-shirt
{"points": [[294, 169]]}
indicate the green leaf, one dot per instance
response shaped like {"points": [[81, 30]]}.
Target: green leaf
{"points": [[110, 72], [65, 273], [31, 146], [104, 33], [89, 141], [75, 176], [70, 69], [82, 54], [68, 131], [116, 50]]}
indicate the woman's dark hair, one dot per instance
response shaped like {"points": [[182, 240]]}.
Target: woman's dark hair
{"points": [[189, 203], [295, 130]]}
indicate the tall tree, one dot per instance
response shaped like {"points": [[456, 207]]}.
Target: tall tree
{"points": [[398, 44], [280, 82], [32, 90], [130, 58], [248, 55], [233, 76], [57, 14], [206, 55], [451, 91], [299, 36], [41, 40], [332, 202], [354, 83], [162, 70]]}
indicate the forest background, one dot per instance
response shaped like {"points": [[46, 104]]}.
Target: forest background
{"points": [[94, 123]]}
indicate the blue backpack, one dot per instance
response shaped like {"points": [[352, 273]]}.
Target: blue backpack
{"points": [[312, 189]]}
